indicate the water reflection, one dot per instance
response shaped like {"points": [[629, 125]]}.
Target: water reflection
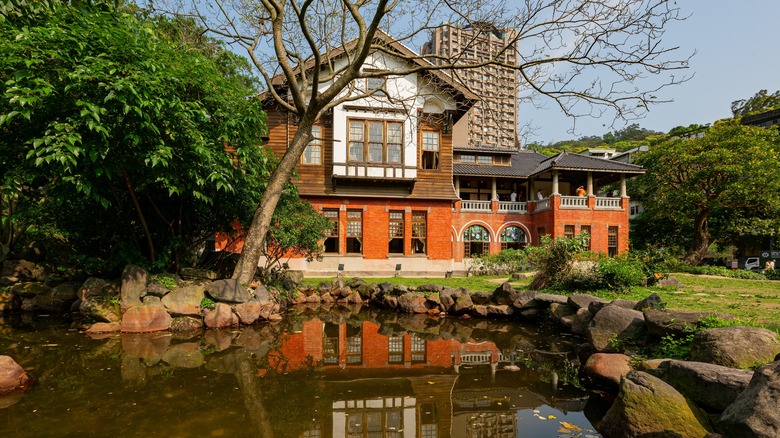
{"points": [[322, 372]]}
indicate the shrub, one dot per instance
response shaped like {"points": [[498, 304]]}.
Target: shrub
{"points": [[773, 274], [620, 273], [553, 259], [725, 272], [505, 262]]}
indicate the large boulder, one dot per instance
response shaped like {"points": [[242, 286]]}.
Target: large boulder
{"points": [[92, 286], [481, 297], [100, 309], [228, 291], [582, 301], [14, 271], [677, 324], [185, 301], [134, 281], [736, 347], [505, 295], [646, 406], [711, 386], [580, 322], [412, 302], [30, 290], [50, 303], [221, 316], [12, 376], [463, 304], [755, 412], [144, 319], [605, 369], [614, 324], [249, 312]]}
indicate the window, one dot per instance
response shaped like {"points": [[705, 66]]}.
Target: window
{"points": [[331, 244], [375, 141], [466, 158], [313, 152], [512, 237], [395, 349], [612, 241], [418, 348], [396, 238], [419, 232], [476, 241], [330, 344], [585, 229], [484, 159], [540, 232], [568, 231], [374, 84], [430, 150], [354, 231]]}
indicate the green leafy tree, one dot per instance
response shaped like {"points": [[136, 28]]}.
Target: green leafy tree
{"points": [[729, 172], [760, 102], [137, 138]]}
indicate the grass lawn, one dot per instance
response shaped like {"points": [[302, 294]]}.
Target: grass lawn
{"points": [[754, 302]]}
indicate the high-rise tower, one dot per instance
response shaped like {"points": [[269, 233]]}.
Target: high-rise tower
{"points": [[492, 122]]}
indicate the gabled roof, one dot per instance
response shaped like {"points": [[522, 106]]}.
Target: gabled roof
{"points": [[523, 162], [569, 161], [439, 76]]}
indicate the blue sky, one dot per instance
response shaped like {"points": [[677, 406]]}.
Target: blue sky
{"points": [[737, 55]]}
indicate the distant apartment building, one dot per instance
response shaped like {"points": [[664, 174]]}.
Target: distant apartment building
{"points": [[492, 122]]}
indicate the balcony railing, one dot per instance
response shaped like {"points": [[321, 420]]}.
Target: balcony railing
{"points": [[374, 170], [574, 202], [512, 207], [475, 205], [543, 204], [608, 204]]}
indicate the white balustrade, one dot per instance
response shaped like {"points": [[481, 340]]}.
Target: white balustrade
{"points": [[544, 204], [512, 207], [608, 203], [469, 205], [574, 202]]}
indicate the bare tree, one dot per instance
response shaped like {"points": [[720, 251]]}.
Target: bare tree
{"points": [[587, 56]]}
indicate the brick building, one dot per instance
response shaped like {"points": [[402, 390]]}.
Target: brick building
{"points": [[403, 198]]}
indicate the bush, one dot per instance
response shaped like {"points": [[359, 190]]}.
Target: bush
{"points": [[554, 259], [505, 262], [725, 272], [620, 273], [773, 274]]}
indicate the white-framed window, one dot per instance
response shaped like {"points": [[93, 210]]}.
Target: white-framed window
{"points": [[375, 141], [313, 152], [430, 150]]}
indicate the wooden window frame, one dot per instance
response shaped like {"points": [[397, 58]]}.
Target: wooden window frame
{"points": [[419, 232], [366, 141], [505, 242], [351, 234], [612, 240], [316, 142], [429, 157], [396, 223], [587, 229], [334, 231], [568, 231]]}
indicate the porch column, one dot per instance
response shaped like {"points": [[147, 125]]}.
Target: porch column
{"points": [[590, 184], [555, 183], [457, 185], [493, 192], [623, 192], [531, 190]]}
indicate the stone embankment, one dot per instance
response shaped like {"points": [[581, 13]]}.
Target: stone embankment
{"points": [[661, 397]]}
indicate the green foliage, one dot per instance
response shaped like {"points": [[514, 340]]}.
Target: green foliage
{"points": [[772, 274], [620, 273], [724, 272], [760, 102], [695, 189], [553, 259], [505, 262], [114, 127], [680, 348], [207, 303], [165, 281]]}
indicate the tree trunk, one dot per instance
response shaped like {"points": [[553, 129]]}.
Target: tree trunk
{"points": [[141, 216], [255, 236], [701, 238]]}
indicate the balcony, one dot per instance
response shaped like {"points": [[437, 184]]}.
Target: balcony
{"points": [[574, 202], [608, 204], [513, 207], [475, 206], [566, 203], [379, 171]]}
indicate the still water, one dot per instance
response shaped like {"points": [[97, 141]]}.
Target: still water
{"points": [[321, 372]]}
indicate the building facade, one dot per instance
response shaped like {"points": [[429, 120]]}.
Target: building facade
{"points": [[493, 120], [404, 199]]}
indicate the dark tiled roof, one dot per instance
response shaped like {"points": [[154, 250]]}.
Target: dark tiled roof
{"points": [[487, 149], [568, 161], [523, 163]]}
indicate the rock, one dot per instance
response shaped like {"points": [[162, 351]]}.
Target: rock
{"points": [[149, 347], [14, 271], [755, 412], [104, 327], [648, 407], [501, 310], [582, 301], [430, 288], [156, 290], [144, 319], [66, 291], [651, 365], [198, 274], [228, 291], [186, 324], [97, 308], [433, 302], [9, 303], [544, 300], [249, 312], [151, 300], [505, 294], [677, 324], [463, 304], [447, 298], [294, 276], [366, 290], [262, 294], [480, 298], [12, 376], [412, 302], [606, 369], [185, 301], [614, 322], [479, 310], [134, 281], [736, 347], [559, 311], [669, 282], [579, 324], [30, 290], [524, 299], [652, 302], [711, 386], [51, 304], [91, 286], [222, 316]]}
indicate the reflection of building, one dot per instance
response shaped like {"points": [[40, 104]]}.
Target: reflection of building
{"points": [[401, 385]]}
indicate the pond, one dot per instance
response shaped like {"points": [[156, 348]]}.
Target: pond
{"points": [[321, 372]]}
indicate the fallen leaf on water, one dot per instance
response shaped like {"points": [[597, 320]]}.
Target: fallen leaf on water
{"points": [[570, 426], [431, 383], [551, 417]]}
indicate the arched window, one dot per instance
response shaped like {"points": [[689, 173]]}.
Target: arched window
{"points": [[476, 241], [513, 237]]}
